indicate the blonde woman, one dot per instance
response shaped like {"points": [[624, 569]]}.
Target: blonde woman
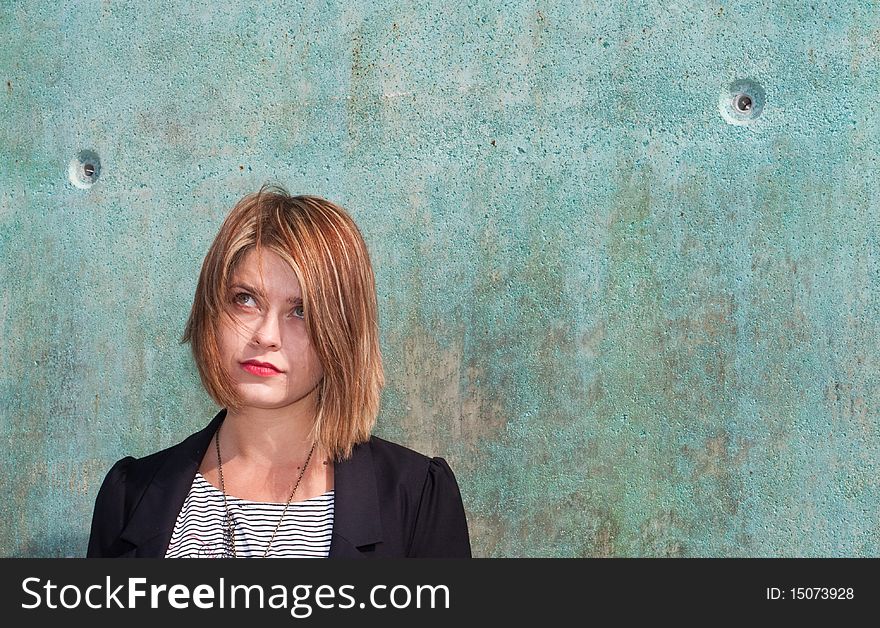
{"points": [[284, 333]]}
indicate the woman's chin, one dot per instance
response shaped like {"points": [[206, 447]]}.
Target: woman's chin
{"points": [[253, 397]]}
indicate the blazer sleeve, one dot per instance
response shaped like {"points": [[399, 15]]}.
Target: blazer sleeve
{"points": [[441, 527], [109, 518]]}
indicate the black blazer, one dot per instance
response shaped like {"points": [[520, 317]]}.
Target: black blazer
{"points": [[389, 501]]}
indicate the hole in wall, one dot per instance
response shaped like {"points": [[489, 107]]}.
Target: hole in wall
{"points": [[742, 101], [84, 169]]}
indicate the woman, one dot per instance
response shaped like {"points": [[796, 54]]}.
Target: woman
{"points": [[284, 333]]}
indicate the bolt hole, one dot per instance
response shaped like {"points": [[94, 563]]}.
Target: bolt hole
{"points": [[743, 103], [84, 169]]}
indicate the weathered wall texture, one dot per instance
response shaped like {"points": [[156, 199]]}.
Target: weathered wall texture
{"points": [[633, 327]]}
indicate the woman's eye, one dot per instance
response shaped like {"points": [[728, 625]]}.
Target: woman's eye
{"points": [[299, 312], [241, 298]]}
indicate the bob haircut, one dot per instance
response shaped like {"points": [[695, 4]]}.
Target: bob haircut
{"points": [[327, 252]]}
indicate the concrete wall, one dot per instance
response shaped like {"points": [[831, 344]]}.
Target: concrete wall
{"points": [[636, 321]]}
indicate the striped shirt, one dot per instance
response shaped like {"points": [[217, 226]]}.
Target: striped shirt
{"points": [[199, 531]]}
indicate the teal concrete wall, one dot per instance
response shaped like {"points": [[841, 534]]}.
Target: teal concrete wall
{"points": [[636, 321]]}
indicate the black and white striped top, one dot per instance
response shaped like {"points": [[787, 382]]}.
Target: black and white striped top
{"points": [[199, 531]]}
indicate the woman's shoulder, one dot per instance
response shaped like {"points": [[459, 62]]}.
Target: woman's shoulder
{"points": [[394, 460], [403, 459], [385, 449], [148, 464], [141, 470], [425, 489]]}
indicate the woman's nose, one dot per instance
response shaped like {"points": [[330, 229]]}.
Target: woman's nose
{"points": [[268, 332]]}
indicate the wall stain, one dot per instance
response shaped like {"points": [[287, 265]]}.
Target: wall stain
{"points": [[659, 536], [362, 102], [846, 403], [447, 397], [604, 529]]}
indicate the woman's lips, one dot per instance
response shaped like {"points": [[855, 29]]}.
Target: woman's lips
{"points": [[262, 371]]}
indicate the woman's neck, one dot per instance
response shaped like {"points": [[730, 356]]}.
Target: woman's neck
{"points": [[266, 437], [263, 453]]}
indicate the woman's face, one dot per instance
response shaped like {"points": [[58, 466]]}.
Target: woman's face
{"points": [[272, 331]]}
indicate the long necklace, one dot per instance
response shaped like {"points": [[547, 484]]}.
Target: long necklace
{"points": [[230, 528]]}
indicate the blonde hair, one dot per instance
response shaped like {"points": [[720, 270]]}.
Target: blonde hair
{"points": [[327, 252]]}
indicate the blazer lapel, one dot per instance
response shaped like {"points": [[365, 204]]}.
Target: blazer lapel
{"points": [[357, 527], [152, 521]]}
